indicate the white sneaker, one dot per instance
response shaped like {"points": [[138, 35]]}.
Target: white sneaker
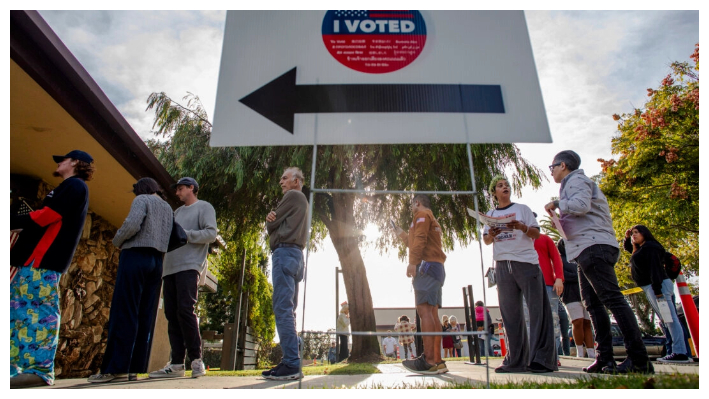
{"points": [[169, 371], [198, 369]]}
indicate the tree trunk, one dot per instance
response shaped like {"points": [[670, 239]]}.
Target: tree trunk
{"points": [[345, 237]]}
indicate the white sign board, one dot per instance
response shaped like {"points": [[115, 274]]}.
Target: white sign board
{"points": [[377, 77]]}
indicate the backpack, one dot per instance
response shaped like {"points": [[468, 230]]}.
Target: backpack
{"points": [[672, 266]]}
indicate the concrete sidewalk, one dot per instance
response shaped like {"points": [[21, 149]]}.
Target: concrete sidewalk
{"points": [[392, 376]]}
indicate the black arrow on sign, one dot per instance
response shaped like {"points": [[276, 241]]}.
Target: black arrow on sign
{"points": [[280, 99]]}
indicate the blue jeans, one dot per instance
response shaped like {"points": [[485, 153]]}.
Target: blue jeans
{"points": [[564, 326], [286, 273], [678, 342], [599, 290], [554, 303]]}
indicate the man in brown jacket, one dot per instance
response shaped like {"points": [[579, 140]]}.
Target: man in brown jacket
{"points": [[426, 260], [288, 231]]}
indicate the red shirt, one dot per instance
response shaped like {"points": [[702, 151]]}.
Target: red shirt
{"points": [[548, 254]]}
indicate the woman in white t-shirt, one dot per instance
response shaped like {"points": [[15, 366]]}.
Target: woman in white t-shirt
{"points": [[518, 275]]}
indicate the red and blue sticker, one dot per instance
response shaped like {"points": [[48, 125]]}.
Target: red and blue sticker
{"points": [[374, 41]]}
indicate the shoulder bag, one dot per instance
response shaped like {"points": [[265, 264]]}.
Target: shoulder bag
{"points": [[178, 237]]}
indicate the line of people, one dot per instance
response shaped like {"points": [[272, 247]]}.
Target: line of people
{"points": [[590, 243], [44, 249], [50, 235], [529, 268]]}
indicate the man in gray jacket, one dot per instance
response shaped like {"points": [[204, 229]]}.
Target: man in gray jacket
{"points": [[181, 272], [592, 244]]}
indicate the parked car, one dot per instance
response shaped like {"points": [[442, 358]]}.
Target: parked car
{"points": [[655, 345]]}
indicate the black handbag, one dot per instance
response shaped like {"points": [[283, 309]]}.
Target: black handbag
{"points": [[178, 237]]}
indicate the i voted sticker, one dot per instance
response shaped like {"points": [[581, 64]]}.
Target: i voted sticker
{"points": [[374, 41]]}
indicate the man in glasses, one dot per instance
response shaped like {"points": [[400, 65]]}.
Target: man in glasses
{"points": [[591, 243]]}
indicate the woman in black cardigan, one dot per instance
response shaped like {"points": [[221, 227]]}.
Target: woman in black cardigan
{"points": [[647, 269]]}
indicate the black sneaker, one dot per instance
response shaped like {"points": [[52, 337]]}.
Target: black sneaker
{"points": [[420, 366], [674, 358], [628, 366], [286, 372], [600, 366], [267, 373], [535, 367]]}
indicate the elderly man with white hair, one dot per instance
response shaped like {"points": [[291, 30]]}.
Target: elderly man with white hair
{"points": [[288, 232]]}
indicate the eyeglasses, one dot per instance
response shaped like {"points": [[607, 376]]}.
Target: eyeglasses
{"points": [[551, 167]]}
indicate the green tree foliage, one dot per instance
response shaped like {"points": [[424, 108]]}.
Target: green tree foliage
{"points": [[218, 309], [242, 184], [316, 344], [655, 179], [548, 228]]}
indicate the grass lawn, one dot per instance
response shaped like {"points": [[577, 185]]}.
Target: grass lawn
{"points": [[330, 369], [636, 381], [658, 381]]}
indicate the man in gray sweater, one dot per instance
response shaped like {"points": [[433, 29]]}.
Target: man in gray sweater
{"points": [[181, 272], [591, 243], [288, 233]]}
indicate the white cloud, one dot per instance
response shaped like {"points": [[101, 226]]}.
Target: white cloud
{"points": [[132, 54]]}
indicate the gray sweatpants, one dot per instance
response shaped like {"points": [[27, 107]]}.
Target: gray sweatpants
{"points": [[516, 280]]}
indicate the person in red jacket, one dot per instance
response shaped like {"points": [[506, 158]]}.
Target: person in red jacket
{"points": [[553, 272]]}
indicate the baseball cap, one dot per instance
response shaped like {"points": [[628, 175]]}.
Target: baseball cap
{"points": [[75, 154], [185, 181]]}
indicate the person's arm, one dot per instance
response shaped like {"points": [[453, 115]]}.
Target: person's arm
{"points": [[422, 224], [403, 236], [526, 223], [207, 232], [489, 234], [628, 245], [555, 257], [131, 226], [578, 201], [557, 266], [655, 262], [42, 217], [285, 208], [64, 200]]}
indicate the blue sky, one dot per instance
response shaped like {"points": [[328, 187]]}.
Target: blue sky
{"points": [[591, 64]]}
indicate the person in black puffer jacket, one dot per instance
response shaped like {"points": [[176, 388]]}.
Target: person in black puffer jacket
{"points": [[571, 298], [647, 269]]}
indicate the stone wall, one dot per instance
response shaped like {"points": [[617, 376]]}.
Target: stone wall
{"points": [[86, 291]]}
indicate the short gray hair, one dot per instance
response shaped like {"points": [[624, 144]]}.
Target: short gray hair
{"points": [[570, 158], [296, 173]]}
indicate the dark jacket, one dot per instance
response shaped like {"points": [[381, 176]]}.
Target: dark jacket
{"points": [[290, 226], [647, 266], [50, 234], [572, 292]]}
